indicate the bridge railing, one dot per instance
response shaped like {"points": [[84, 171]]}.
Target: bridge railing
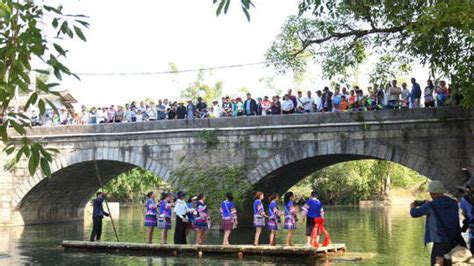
{"points": [[444, 113]]}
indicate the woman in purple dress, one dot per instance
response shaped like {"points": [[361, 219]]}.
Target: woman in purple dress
{"points": [[229, 217], [202, 222], [290, 216], [150, 216], [164, 217], [274, 218]]}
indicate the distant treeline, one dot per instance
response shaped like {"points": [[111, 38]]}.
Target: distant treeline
{"points": [[350, 182]]}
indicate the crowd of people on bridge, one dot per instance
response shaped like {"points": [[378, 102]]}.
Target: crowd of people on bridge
{"points": [[339, 99], [193, 215]]}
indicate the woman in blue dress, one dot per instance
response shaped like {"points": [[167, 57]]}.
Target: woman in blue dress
{"points": [[290, 216], [274, 218], [150, 216], [258, 216], [202, 219], [229, 217], [164, 217]]}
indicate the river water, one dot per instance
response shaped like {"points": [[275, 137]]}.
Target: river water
{"points": [[389, 234]]}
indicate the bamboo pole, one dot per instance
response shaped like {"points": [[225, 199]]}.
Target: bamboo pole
{"points": [[105, 199]]}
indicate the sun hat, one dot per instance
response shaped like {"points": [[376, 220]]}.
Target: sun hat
{"points": [[436, 186], [194, 198], [459, 254]]}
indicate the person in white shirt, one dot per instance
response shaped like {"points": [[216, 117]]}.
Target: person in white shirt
{"points": [[216, 109], [300, 102], [394, 95], [318, 101], [100, 116], [151, 111], [287, 105], [139, 117], [345, 93], [309, 103], [405, 95], [181, 209]]}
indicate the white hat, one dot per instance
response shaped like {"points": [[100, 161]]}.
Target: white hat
{"points": [[459, 254], [436, 186]]}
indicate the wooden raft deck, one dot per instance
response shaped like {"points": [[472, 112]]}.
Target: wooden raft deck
{"points": [[333, 249]]}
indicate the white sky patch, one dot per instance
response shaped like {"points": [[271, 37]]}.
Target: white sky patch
{"points": [[146, 35]]}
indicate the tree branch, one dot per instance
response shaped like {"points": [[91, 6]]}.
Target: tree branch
{"points": [[355, 33]]}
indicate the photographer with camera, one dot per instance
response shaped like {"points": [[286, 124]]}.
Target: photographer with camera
{"points": [[442, 221]]}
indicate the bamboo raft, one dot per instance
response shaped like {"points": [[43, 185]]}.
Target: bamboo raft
{"points": [[239, 250]]}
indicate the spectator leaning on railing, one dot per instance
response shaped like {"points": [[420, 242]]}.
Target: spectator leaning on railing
{"points": [[388, 96]]}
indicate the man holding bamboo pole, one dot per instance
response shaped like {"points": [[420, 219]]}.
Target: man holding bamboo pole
{"points": [[98, 214]]}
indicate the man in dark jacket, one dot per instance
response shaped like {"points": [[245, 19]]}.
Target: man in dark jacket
{"points": [[415, 94], [98, 214], [250, 106], [442, 221]]}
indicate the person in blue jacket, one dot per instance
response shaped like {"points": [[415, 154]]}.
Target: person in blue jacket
{"points": [[98, 214], [442, 221]]}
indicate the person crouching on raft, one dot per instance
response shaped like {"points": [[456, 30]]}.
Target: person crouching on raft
{"points": [[229, 217], [150, 216], [312, 209], [164, 216], [258, 216], [290, 216], [274, 220]]}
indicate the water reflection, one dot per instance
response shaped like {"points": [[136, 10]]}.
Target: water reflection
{"points": [[396, 239]]}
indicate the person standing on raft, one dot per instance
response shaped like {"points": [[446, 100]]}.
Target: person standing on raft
{"points": [[181, 209], [203, 220], [98, 214], [258, 216], [150, 216], [314, 213], [290, 216], [164, 216], [274, 219], [229, 217]]}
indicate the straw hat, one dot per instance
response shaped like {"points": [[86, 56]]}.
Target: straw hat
{"points": [[459, 254], [436, 186]]}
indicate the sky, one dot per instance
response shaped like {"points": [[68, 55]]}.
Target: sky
{"points": [[146, 35]]}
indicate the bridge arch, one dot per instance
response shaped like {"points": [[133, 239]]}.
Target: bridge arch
{"points": [[283, 170], [63, 196]]}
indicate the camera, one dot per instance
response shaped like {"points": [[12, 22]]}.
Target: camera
{"points": [[418, 203]]}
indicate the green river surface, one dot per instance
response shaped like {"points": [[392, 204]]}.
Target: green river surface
{"points": [[390, 234]]}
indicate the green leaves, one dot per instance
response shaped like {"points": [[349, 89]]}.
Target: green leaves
{"points": [[23, 41], [339, 35], [223, 6], [132, 185], [79, 33]]}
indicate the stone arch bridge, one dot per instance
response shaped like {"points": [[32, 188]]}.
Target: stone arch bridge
{"points": [[275, 151]]}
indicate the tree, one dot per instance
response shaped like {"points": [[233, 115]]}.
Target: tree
{"points": [[132, 186], [198, 88], [24, 48], [350, 182], [341, 34]]}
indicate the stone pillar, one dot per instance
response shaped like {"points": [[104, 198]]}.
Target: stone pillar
{"points": [[6, 197]]}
